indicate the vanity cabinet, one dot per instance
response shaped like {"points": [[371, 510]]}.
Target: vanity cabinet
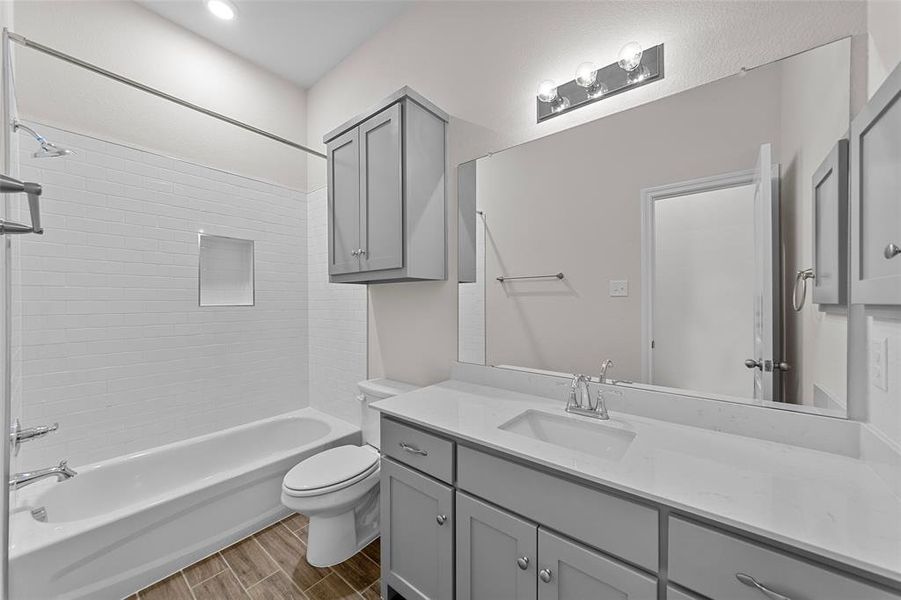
{"points": [[500, 555], [417, 527], [497, 552], [386, 193], [718, 565], [569, 571], [472, 524], [876, 197]]}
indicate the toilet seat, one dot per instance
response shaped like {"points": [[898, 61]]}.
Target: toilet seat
{"points": [[330, 471]]}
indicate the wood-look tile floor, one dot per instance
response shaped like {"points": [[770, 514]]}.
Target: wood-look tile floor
{"points": [[271, 565]]}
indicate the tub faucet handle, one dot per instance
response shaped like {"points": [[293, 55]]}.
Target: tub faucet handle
{"points": [[18, 436]]}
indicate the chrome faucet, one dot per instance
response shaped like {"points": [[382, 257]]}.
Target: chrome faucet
{"points": [[61, 472], [580, 402], [600, 405]]}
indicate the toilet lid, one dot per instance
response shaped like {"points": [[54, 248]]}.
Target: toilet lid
{"points": [[331, 468]]}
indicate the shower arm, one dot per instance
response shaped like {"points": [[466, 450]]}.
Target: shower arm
{"points": [[17, 125], [8, 185]]}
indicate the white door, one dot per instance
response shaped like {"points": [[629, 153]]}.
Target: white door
{"points": [[767, 281]]}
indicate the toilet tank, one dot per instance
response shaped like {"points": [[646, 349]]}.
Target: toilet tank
{"points": [[373, 390]]}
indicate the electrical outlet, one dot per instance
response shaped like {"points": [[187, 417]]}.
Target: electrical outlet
{"points": [[879, 363], [619, 288]]}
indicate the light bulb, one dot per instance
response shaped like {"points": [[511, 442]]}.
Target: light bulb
{"points": [[561, 103], [221, 8], [630, 56], [547, 91], [586, 74]]}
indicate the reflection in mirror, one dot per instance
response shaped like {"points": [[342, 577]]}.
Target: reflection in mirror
{"points": [[687, 234]]}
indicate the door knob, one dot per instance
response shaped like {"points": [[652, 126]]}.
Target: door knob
{"points": [[354, 253], [782, 366], [891, 251], [754, 364], [545, 575], [441, 519], [523, 562]]}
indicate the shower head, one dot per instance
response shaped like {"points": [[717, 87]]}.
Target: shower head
{"points": [[48, 148]]}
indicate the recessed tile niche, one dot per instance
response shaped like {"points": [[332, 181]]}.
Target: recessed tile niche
{"points": [[226, 271]]}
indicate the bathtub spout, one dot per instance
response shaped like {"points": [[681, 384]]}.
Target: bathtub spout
{"points": [[61, 472]]}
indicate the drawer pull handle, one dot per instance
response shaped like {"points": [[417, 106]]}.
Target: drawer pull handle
{"points": [[545, 575], [892, 250], [523, 562], [441, 519], [751, 582], [413, 449]]}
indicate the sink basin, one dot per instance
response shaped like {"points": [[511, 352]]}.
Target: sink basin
{"points": [[594, 438]]}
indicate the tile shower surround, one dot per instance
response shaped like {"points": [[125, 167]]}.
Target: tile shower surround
{"points": [[109, 339]]}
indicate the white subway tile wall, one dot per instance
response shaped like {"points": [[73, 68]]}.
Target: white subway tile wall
{"points": [[338, 326], [114, 344]]}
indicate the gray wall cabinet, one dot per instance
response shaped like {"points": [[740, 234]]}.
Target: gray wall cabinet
{"points": [[417, 526], [830, 227], [386, 193], [876, 197]]}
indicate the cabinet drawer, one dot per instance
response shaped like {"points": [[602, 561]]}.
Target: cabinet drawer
{"points": [[708, 561], [423, 451], [607, 522]]}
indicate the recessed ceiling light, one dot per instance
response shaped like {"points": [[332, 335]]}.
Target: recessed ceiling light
{"points": [[223, 9]]}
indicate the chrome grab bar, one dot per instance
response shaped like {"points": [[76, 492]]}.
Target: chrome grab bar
{"points": [[8, 185], [503, 278], [413, 449]]}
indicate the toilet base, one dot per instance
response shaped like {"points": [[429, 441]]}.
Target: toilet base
{"points": [[341, 524]]}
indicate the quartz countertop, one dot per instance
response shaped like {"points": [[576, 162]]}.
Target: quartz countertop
{"points": [[831, 505]]}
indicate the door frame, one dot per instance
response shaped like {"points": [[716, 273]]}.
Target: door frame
{"points": [[648, 197]]}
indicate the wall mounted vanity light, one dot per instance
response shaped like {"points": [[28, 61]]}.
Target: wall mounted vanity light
{"points": [[634, 67]]}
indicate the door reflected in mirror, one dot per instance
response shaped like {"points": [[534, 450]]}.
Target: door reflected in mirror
{"points": [[684, 229]]}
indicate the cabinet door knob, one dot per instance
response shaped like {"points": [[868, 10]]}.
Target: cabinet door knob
{"points": [[523, 562], [751, 582], [753, 364], [545, 575], [892, 250], [354, 253], [441, 519]]}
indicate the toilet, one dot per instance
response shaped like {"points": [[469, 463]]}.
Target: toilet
{"points": [[338, 489]]}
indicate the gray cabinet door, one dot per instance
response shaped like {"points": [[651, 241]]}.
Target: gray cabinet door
{"points": [[417, 527], [876, 197], [381, 191], [496, 553], [570, 571], [344, 203]]}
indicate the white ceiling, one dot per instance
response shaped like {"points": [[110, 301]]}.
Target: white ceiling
{"points": [[299, 40]]}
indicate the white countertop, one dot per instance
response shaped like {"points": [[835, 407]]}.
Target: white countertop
{"points": [[828, 504]]}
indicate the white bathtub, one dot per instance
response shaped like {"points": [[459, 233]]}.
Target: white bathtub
{"points": [[124, 523]]}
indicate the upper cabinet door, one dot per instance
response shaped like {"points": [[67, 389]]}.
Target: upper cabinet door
{"points": [[381, 191], [830, 227], [496, 553], [876, 197], [344, 203], [569, 571]]}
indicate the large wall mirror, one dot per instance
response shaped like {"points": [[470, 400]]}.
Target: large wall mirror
{"points": [[682, 239]]}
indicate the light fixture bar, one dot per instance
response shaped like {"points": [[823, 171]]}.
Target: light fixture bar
{"points": [[612, 78]]}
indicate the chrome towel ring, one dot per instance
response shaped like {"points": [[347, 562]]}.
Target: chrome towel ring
{"points": [[801, 278]]}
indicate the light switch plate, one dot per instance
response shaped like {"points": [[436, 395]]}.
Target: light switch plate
{"points": [[619, 288], [879, 363]]}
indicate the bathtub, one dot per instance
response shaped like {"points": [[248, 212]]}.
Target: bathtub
{"points": [[124, 523]]}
